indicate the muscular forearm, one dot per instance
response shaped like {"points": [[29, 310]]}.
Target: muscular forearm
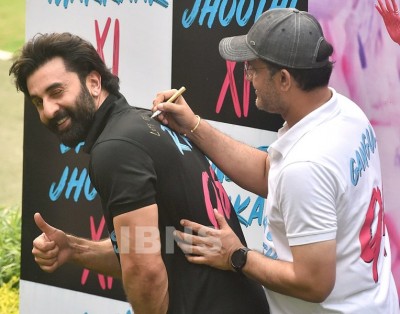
{"points": [[98, 256], [283, 277], [146, 287], [245, 165], [144, 274]]}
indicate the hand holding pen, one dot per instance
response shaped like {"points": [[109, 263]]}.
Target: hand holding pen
{"points": [[172, 99], [179, 116]]}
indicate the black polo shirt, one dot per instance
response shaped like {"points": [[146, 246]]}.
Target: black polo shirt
{"points": [[135, 162]]}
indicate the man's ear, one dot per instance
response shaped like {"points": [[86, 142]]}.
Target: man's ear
{"points": [[93, 83], [285, 80]]}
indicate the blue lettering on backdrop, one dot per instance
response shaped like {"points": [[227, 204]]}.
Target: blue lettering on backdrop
{"points": [[78, 182], [256, 211], [81, 183], [113, 238], [268, 251], [65, 3], [240, 206], [65, 149], [210, 9], [359, 163]]}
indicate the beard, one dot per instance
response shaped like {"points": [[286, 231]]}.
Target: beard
{"points": [[81, 116], [269, 101]]}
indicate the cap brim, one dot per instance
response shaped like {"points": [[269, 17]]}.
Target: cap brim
{"points": [[236, 49]]}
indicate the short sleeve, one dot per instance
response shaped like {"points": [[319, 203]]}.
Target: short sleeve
{"points": [[123, 174], [306, 194]]}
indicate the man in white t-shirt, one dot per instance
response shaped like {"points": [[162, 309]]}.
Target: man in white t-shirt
{"points": [[326, 247]]}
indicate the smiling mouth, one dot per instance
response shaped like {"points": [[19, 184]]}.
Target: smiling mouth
{"points": [[62, 125], [59, 122]]}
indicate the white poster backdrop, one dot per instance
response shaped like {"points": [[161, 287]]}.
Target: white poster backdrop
{"points": [[36, 298], [145, 38], [135, 38]]}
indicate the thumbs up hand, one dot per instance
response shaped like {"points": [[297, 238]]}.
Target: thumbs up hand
{"points": [[51, 249]]}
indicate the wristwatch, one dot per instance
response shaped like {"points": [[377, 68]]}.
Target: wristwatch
{"points": [[239, 259]]}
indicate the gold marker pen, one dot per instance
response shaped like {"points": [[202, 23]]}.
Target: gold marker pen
{"points": [[172, 99]]}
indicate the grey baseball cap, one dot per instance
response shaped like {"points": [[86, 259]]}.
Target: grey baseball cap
{"points": [[287, 37]]}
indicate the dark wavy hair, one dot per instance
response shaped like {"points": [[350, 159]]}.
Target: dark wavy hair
{"points": [[78, 54]]}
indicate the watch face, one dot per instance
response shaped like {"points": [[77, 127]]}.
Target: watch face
{"points": [[239, 258]]}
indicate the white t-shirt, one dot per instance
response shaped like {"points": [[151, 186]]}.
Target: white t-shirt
{"points": [[325, 183]]}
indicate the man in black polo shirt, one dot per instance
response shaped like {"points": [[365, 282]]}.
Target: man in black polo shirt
{"points": [[148, 178]]}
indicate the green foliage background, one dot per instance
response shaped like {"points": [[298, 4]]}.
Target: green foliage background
{"points": [[10, 220], [12, 24], [10, 225]]}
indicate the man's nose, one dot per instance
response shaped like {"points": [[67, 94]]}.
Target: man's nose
{"points": [[49, 110]]}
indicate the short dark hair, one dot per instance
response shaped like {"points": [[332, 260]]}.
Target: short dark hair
{"points": [[307, 79], [78, 54]]}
